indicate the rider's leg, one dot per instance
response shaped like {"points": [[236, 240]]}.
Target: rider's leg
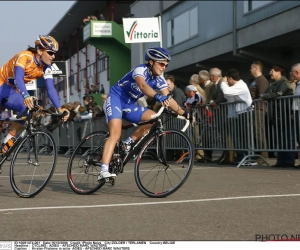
{"points": [[114, 122], [14, 102], [140, 131], [115, 128]]}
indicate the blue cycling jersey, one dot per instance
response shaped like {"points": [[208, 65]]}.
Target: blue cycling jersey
{"points": [[128, 90]]}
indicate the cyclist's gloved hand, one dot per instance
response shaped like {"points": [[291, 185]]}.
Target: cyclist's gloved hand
{"points": [[28, 101], [160, 98]]}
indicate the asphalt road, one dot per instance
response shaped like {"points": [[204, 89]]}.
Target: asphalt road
{"points": [[216, 203]]}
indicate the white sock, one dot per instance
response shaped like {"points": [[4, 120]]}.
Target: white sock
{"points": [[7, 137], [104, 167], [129, 140]]}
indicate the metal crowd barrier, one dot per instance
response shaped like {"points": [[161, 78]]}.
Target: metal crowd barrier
{"points": [[265, 126]]}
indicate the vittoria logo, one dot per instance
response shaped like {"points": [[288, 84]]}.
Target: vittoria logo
{"points": [[133, 34], [141, 30]]}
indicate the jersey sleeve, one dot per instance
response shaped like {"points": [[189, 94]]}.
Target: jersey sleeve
{"points": [[138, 71], [19, 81], [52, 93], [161, 84]]}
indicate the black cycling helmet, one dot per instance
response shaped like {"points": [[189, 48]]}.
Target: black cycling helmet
{"points": [[157, 54]]}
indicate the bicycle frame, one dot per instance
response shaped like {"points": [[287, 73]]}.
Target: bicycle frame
{"points": [[156, 128], [28, 130], [136, 148]]}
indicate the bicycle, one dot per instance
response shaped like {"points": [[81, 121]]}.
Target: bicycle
{"points": [[150, 178], [33, 149]]}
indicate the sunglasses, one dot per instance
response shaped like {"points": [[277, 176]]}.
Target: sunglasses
{"points": [[50, 53], [161, 64]]}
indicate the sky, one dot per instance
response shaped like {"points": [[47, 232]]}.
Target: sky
{"points": [[22, 21]]}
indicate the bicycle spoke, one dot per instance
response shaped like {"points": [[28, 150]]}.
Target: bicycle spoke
{"points": [[32, 166], [162, 178], [84, 164]]}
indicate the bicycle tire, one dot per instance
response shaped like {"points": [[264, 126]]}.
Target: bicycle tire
{"points": [[27, 178], [83, 178], [148, 175]]}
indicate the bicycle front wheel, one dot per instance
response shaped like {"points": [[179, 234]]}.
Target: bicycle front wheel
{"points": [[84, 164], [172, 160], [33, 164]]}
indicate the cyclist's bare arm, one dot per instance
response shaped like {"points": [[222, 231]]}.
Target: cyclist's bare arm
{"points": [[144, 87], [172, 103]]}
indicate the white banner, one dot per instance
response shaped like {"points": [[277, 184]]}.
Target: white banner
{"points": [[141, 30], [31, 85]]}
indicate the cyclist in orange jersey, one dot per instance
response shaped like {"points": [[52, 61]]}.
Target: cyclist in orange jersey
{"points": [[24, 67]]}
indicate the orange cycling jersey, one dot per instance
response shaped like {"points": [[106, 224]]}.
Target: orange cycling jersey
{"points": [[25, 60]]}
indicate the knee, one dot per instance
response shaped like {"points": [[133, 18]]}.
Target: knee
{"points": [[115, 135]]}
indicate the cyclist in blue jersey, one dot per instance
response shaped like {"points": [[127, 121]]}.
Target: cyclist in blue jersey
{"points": [[121, 102]]}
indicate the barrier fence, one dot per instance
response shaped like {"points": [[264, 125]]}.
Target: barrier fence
{"points": [[250, 132]]}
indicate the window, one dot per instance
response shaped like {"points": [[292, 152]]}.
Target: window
{"points": [[102, 64], [82, 74], [252, 5], [182, 27]]}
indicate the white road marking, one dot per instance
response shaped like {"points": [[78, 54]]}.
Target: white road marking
{"points": [[149, 203]]}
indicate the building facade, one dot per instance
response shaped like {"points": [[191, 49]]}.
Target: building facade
{"points": [[199, 35]]}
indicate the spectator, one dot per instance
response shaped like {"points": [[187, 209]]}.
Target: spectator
{"points": [[279, 114], [94, 89], [257, 87], [103, 96], [88, 104], [87, 90], [296, 103], [88, 19], [205, 83], [193, 96], [216, 94], [234, 90], [101, 17], [177, 93], [195, 80], [217, 97], [70, 107], [102, 90], [293, 82]]}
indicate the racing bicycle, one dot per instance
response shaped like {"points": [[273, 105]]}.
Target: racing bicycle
{"points": [[158, 170], [34, 155]]}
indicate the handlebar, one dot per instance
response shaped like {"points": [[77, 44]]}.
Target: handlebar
{"points": [[38, 108], [187, 122]]}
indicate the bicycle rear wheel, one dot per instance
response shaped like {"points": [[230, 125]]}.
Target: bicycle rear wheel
{"points": [[84, 164], [33, 164], [166, 172]]}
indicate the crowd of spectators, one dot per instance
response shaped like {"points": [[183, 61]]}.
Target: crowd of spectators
{"points": [[93, 18], [213, 89]]}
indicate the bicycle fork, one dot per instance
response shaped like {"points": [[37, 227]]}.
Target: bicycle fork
{"points": [[160, 150], [34, 162]]}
